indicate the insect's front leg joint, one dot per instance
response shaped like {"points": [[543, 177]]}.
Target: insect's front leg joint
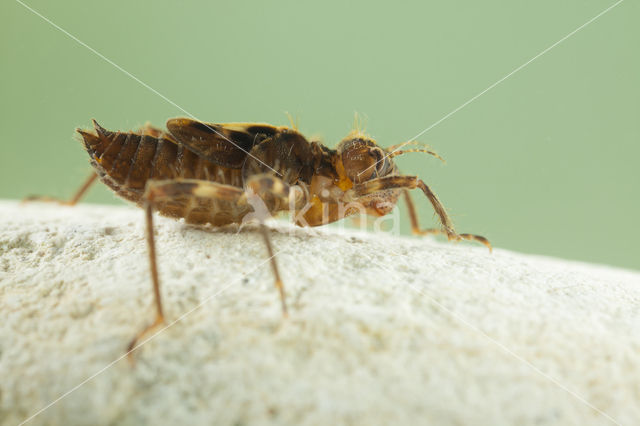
{"points": [[273, 192]]}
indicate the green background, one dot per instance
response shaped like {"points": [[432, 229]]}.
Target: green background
{"points": [[545, 162]]}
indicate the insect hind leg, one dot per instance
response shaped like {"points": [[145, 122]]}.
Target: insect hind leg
{"points": [[80, 192], [167, 190], [158, 191]]}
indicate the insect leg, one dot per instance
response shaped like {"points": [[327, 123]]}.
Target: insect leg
{"points": [[407, 182], [274, 267], [73, 200], [164, 190], [159, 318], [151, 246], [272, 190], [413, 216], [446, 222], [412, 182], [415, 227]]}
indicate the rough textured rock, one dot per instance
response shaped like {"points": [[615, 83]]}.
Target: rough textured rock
{"points": [[382, 329]]}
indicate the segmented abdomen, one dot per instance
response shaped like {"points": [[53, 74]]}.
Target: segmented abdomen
{"points": [[127, 161]]}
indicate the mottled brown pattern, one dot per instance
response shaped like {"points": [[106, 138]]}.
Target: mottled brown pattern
{"points": [[217, 173], [231, 155], [126, 161]]}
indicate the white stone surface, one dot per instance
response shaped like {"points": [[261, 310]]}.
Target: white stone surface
{"points": [[382, 329]]}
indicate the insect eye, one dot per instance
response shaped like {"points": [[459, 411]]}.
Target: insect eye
{"points": [[363, 159], [381, 162], [357, 163]]}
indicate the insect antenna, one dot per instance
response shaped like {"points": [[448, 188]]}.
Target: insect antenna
{"points": [[425, 149]]}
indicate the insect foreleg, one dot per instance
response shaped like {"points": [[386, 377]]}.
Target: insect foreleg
{"points": [[406, 182], [415, 227], [412, 182]]}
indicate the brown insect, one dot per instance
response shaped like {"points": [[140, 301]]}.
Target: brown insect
{"points": [[219, 173]]}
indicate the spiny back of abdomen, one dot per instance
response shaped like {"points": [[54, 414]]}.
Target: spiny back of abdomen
{"points": [[127, 161]]}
